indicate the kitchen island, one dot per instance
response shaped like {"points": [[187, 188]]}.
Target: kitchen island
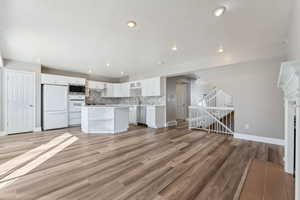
{"points": [[101, 119]]}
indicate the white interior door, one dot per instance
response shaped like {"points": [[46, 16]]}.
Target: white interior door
{"points": [[20, 101], [181, 93]]}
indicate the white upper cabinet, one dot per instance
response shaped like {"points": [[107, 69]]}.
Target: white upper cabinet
{"points": [[61, 80], [152, 87], [97, 85], [146, 88], [109, 92], [75, 81], [135, 84], [125, 89], [53, 79], [117, 90]]}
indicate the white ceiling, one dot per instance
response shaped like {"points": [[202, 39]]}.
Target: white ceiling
{"points": [[75, 34]]}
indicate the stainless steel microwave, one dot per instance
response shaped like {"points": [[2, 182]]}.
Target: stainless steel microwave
{"points": [[77, 88]]}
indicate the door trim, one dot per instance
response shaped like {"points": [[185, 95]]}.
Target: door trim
{"points": [[5, 71]]}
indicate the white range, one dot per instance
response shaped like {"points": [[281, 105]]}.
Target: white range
{"points": [[75, 104]]}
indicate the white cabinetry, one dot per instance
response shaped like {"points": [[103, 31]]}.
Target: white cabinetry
{"points": [[97, 85], [152, 87], [117, 90], [61, 80], [146, 88], [133, 114], [125, 90], [104, 119], [156, 116], [142, 114], [74, 80], [109, 92], [53, 79]]}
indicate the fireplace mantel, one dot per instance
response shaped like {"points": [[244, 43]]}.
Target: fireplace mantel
{"points": [[289, 82]]}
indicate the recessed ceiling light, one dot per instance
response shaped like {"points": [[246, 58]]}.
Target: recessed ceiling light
{"points": [[131, 24], [221, 50], [219, 11], [174, 48]]}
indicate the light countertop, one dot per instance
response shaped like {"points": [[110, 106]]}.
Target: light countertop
{"points": [[105, 106]]}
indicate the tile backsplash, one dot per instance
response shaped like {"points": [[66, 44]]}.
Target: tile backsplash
{"points": [[95, 97]]}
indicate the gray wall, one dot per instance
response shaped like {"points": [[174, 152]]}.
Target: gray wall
{"points": [[294, 32], [257, 100]]}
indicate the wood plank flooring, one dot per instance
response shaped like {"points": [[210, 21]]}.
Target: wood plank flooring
{"points": [[267, 181], [141, 164]]}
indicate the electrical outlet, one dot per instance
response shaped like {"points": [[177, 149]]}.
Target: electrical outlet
{"points": [[247, 126]]}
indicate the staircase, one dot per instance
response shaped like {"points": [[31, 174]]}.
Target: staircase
{"points": [[214, 113]]}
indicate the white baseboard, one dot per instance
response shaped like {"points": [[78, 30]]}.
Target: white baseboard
{"points": [[259, 139], [3, 133], [171, 123], [37, 129]]}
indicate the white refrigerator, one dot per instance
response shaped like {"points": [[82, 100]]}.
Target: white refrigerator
{"points": [[55, 107]]}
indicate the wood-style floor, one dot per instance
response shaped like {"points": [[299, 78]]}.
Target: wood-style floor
{"points": [[267, 181], [141, 164]]}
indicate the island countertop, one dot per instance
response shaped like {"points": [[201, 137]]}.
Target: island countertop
{"points": [[105, 106], [104, 118]]}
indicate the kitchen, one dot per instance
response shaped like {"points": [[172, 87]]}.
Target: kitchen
{"points": [[102, 107]]}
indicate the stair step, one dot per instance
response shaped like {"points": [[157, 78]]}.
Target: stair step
{"points": [[267, 181]]}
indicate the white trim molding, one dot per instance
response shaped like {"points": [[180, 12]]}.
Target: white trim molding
{"points": [[289, 82], [3, 133], [37, 129], [259, 139], [171, 123], [1, 59]]}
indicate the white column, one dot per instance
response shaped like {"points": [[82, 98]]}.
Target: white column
{"points": [[297, 182], [1, 60], [288, 137]]}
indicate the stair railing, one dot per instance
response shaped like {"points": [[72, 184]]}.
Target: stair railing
{"points": [[212, 119]]}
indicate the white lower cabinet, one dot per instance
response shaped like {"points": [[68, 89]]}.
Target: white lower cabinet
{"points": [[142, 114], [74, 118], [104, 119], [133, 114], [156, 116]]}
